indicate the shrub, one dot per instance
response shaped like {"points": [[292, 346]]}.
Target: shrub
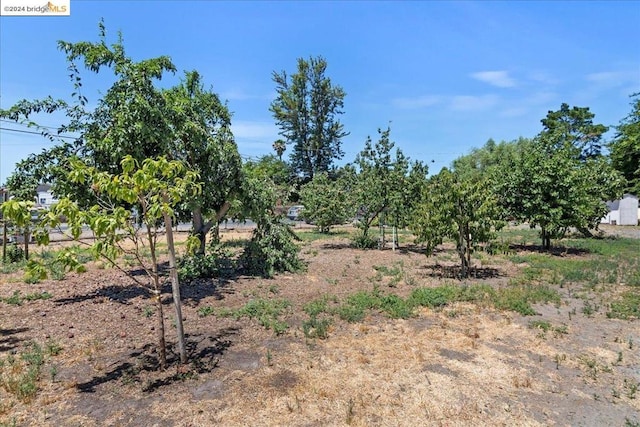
{"points": [[15, 253], [272, 249], [192, 267], [360, 240]]}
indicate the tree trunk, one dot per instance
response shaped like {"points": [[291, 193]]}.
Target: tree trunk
{"points": [[546, 239], [4, 241], [461, 250], [27, 237], [162, 345], [157, 289], [198, 230], [175, 285]]}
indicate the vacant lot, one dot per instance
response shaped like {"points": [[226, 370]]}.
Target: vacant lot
{"points": [[360, 338]]}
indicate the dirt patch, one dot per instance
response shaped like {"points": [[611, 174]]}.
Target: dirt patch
{"points": [[461, 365]]}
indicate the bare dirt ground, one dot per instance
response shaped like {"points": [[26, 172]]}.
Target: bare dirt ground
{"points": [[461, 365]]}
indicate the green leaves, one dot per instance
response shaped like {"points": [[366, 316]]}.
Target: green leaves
{"points": [[326, 202], [625, 147], [305, 110], [462, 209]]}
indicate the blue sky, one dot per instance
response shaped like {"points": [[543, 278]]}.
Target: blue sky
{"points": [[445, 75]]}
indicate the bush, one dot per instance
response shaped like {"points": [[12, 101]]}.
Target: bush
{"points": [[360, 240], [15, 253], [272, 249], [192, 267]]}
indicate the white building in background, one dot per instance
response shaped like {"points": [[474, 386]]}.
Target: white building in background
{"points": [[622, 212], [44, 198]]}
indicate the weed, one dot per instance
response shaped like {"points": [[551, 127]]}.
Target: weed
{"points": [[350, 412], [627, 306], [269, 357], [316, 328], [53, 348], [560, 358], [317, 306], [543, 325], [20, 376], [631, 388], [148, 311], [17, 299], [205, 311], [53, 373], [267, 313], [274, 289], [588, 309]]}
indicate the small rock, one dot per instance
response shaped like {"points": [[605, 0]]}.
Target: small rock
{"points": [[123, 334], [70, 335]]}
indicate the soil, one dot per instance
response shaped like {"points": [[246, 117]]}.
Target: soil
{"points": [[461, 365]]}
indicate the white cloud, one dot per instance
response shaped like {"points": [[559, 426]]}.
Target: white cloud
{"points": [[495, 78], [416, 102], [473, 103]]}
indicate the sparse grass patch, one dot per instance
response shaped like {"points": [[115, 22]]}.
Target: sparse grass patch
{"points": [[17, 298], [20, 375], [266, 311], [313, 235], [627, 306]]}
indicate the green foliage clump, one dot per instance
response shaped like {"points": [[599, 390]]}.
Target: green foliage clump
{"points": [[272, 249], [267, 312], [19, 376], [325, 202], [627, 306], [14, 253], [17, 298], [192, 267], [362, 240]]}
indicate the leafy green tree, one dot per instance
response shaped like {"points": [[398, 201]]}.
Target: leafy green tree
{"points": [[305, 110], [383, 184], [18, 212], [269, 167], [130, 119], [272, 247], [202, 139], [462, 209], [326, 202], [481, 162], [574, 126], [552, 186], [157, 186], [134, 117], [625, 147]]}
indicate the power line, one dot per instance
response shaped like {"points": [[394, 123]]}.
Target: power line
{"points": [[37, 133]]}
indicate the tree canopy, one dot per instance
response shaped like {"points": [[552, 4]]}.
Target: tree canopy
{"points": [[625, 147], [306, 110]]}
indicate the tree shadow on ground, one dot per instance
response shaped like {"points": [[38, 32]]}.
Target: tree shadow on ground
{"points": [[8, 340], [194, 290], [455, 272], [554, 250], [203, 354]]}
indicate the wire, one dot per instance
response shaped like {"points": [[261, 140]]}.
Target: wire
{"points": [[36, 133]]}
